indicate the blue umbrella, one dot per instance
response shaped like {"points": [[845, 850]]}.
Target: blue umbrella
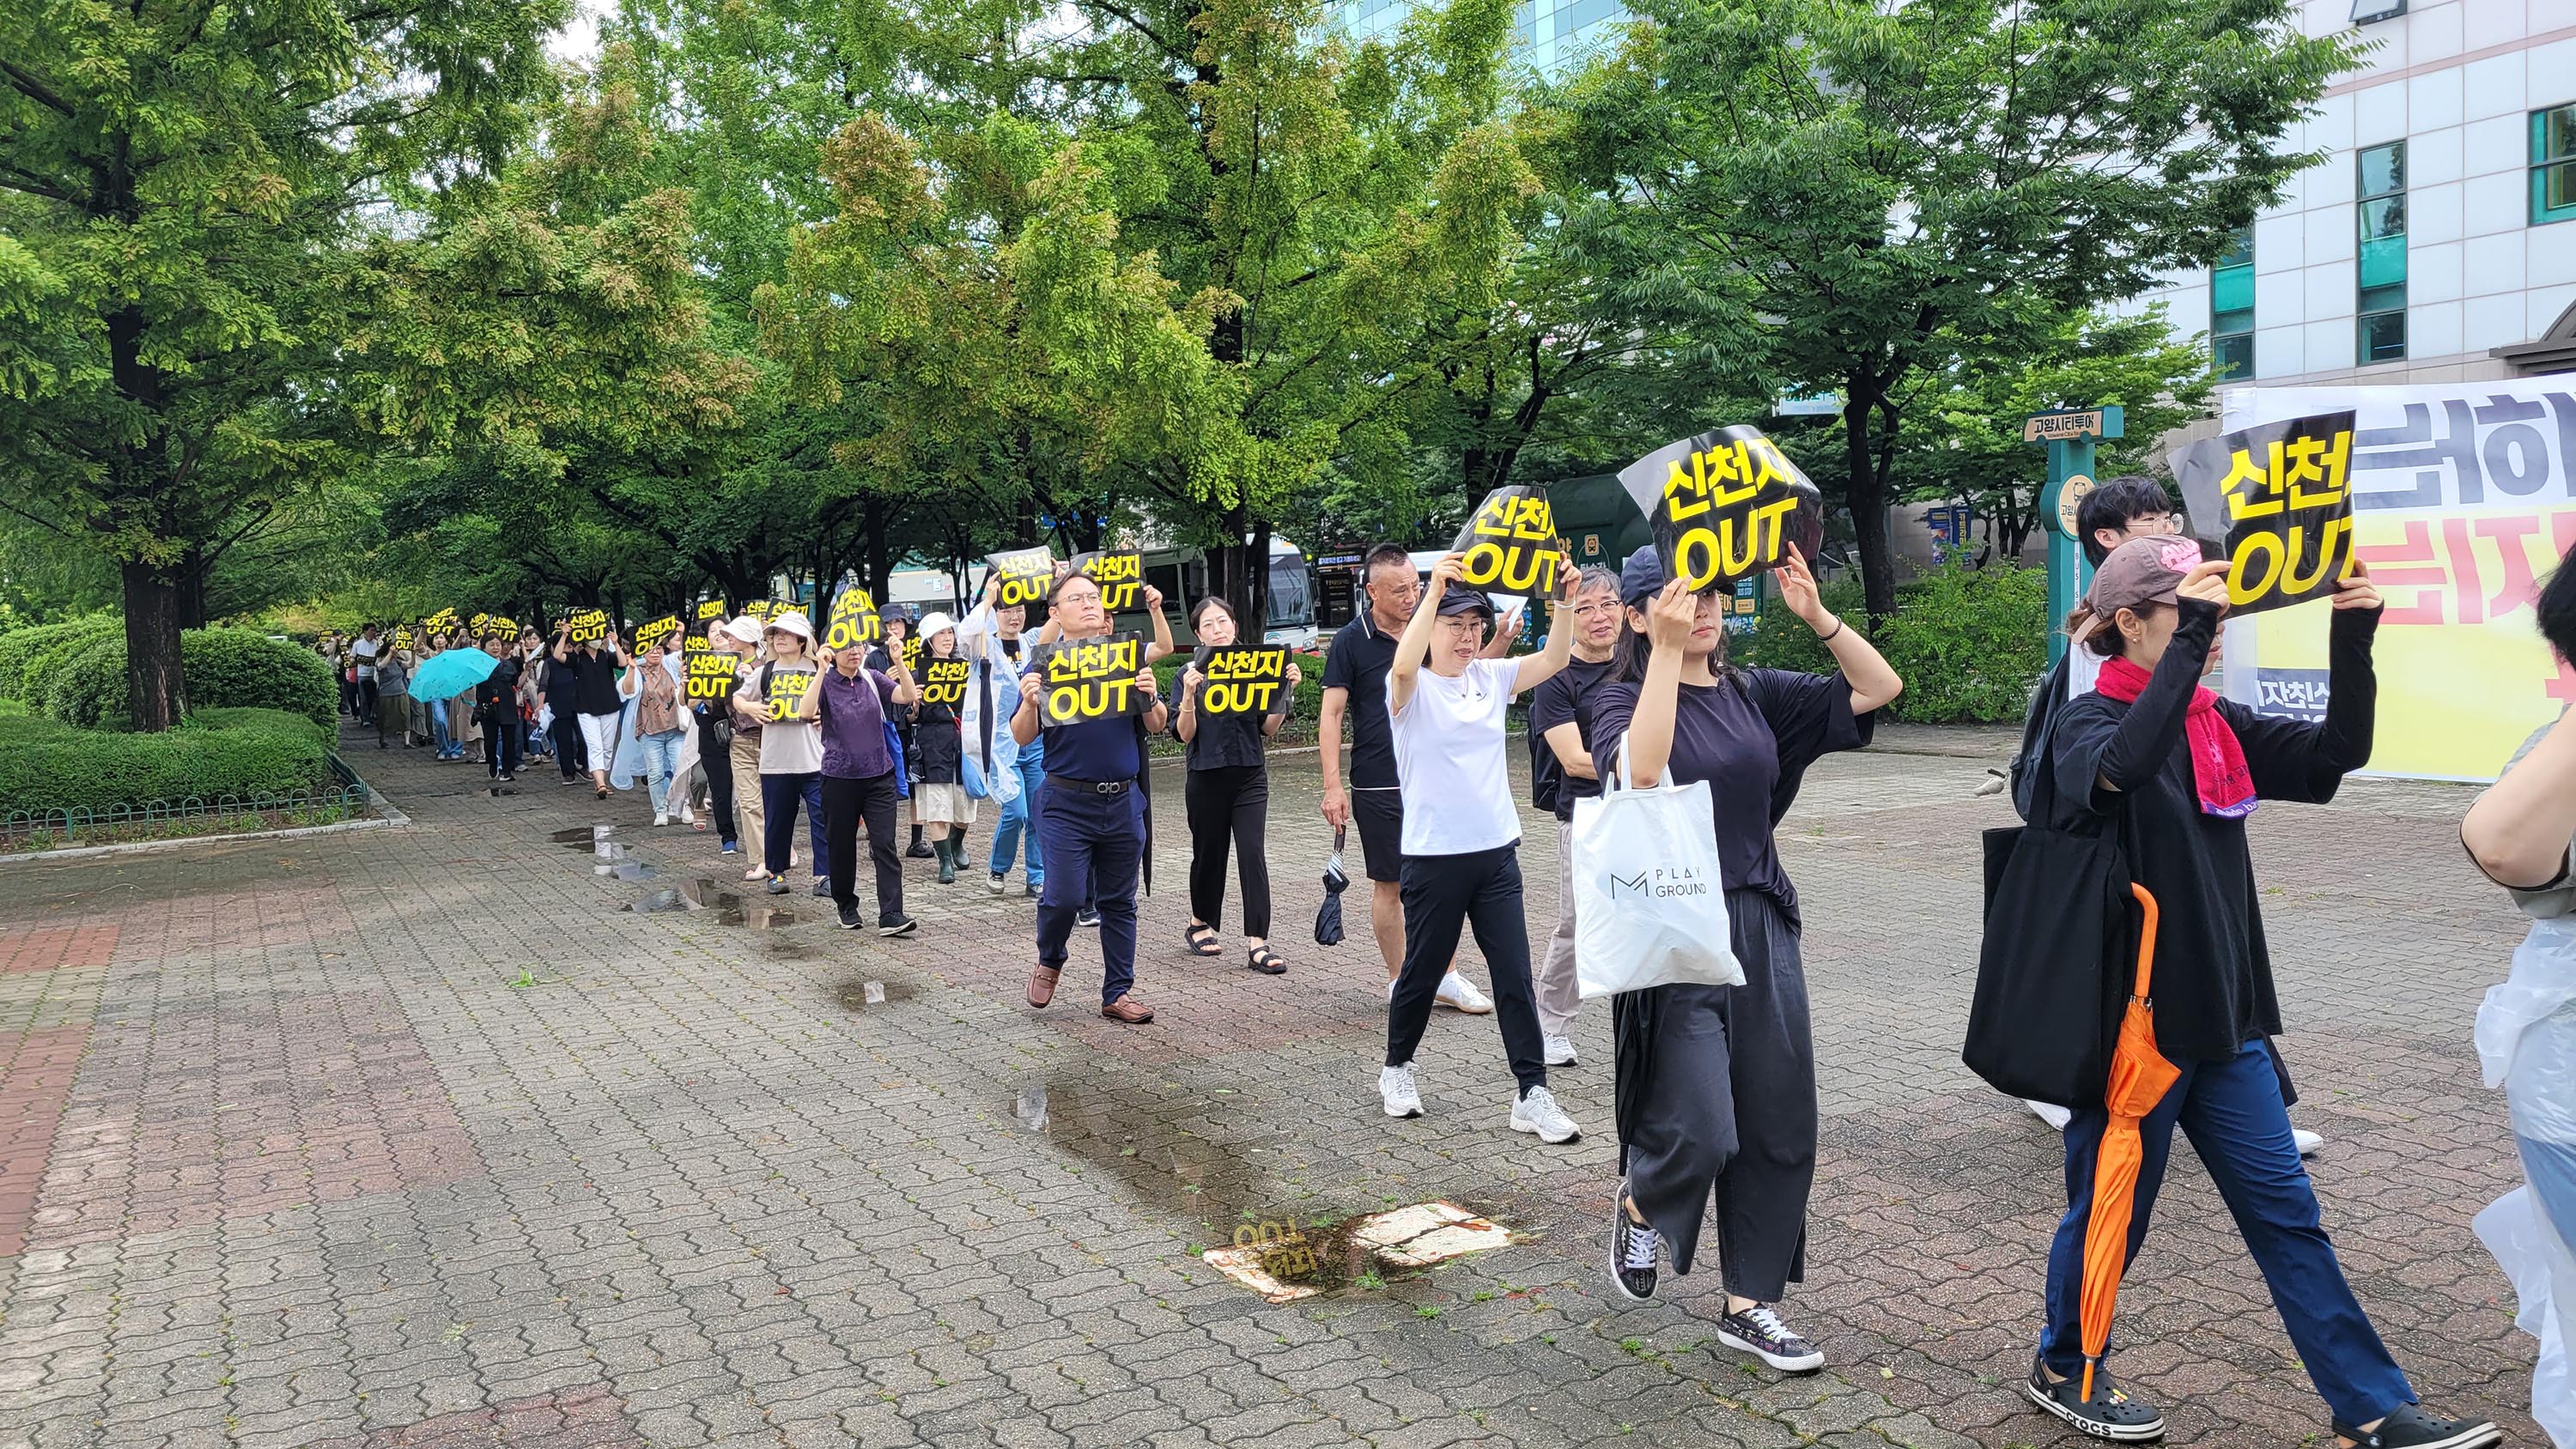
{"points": [[452, 673]]}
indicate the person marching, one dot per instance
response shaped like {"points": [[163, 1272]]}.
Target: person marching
{"points": [[1562, 772], [742, 636], [791, 750], [895, 628], [939, 798], [2171, 770], [1355, 675], [990, 638], [1157, 646], [496, 707], [1228, 797], [713, 721], [1688, 1055], [849, 705], [655, 685], [1090, 818], [393, 695], [1461, 841]]}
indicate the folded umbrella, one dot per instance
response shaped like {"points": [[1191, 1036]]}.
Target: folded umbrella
{"points": [[450, 674], [2140, 1077], [1328, 916]]}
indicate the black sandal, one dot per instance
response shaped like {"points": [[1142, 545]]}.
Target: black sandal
{"points": [[1208, 947], [1265, 961]]}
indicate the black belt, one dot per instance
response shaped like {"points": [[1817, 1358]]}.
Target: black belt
{"points": [[1092, 787]]}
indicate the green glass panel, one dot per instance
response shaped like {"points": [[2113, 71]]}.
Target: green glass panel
{"points": [[2233, 357], [2222, 324], [2231, 289], [2553, 193], [2383, 262], [2240, 250], [2382, 299], [2383, 169], [2383, 337], [2553, 134], [2385, 217]]}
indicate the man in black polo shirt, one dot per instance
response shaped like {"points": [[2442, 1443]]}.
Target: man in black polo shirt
{"points": [[1355, 687]]}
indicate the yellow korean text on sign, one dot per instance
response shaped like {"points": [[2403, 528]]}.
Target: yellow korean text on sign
{"points": [[2276, 500], [711, 609], [711, 676], [1243, 680], [1026, 575], [1510, 544], [787, 689], [943, 681], [1091, 679], [1725, 505], [588, 626], [854, 620], [1121, 577], [659, 631]]}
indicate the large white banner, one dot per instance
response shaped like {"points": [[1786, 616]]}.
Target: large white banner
{"points": [[2462, 505]]}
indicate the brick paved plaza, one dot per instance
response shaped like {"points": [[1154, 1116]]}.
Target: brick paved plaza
{"points": [[419, 1136]]}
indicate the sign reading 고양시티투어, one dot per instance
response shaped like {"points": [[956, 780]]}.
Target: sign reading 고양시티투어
{"points": [[1725, 505], [1242, 679], [1509, 543], [2275, 501], [1090, 679]]}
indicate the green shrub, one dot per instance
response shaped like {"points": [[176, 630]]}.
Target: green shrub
{"points": [[1781, 640], [1969, 643], [21, 649], [234, 717], [47, 765], [226, 668]]}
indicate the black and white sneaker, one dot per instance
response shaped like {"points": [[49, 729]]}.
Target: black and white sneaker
{"points": [[1632, 1253], [1759, 1332], [850, 917], [899, 926], [2109, 1414], [2409, 1427], [1088, 918]]}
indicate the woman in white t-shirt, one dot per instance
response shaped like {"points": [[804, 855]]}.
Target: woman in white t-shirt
{"points": [[1462, 831]]}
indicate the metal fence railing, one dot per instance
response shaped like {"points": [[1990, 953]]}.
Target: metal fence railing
{"points": [[339, 797]]}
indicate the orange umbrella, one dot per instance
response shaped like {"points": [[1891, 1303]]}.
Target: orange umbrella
{"points": [[2140, 1077]]}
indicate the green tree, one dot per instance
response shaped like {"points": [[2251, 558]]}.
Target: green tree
{"points": [[1893, 189], [180, 186]]}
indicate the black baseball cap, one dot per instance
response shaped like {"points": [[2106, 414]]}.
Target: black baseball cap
{"points": [[1462, 599]]}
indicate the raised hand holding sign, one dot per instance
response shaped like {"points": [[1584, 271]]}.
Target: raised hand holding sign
{"points": [[1509, 543], [657, 633], [2274, 502], [587, 626], [1021, 576], [854, 621], [1121, 577], [1725, 505]]}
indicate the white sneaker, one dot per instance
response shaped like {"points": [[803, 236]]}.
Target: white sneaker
{"points": [[2308, 1142], [1395, 1089], [1537, 1112], [1459, 992], [2049, 1112], [995, 882], [661, 817], [687, 815], [1560, 1051]]}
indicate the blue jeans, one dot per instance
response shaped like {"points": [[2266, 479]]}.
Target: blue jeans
{"points": [[437, 713], [1020, 817], [661, 759], [778, 797], [2233, 1114], [1098, 843]]}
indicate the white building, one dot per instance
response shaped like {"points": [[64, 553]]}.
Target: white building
{"points": [[2437, 240]]}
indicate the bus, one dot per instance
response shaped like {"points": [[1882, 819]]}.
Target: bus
{"points": [[1182, 575]]}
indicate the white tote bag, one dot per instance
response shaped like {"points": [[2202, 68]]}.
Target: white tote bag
{"points": [[1649, 901]]}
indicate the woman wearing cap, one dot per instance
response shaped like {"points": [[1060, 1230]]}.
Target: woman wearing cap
{"points": [[1228, 796], [2171, 771], [791, 748], [742, 638], [1462, 831], [1687, 1055], [939, 799], [849, 705]]}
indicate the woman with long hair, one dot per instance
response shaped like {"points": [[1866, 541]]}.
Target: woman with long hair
{"points": [[939, 798], [659, 725], [1715, 1086], [791, 748], [1228, 796]]}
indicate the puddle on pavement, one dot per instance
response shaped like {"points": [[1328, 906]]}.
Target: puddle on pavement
{"points": [[1122, 1131], [733, 910], [857, 995]]}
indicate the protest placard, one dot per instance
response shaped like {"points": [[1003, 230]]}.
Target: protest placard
{"points": [[1121, 577], [943, 681], [1242, 679], [442, 622], [694, 644], [659, 631], [587, 626], [853, 620], [711, 609], [787, 689], [1509, 543], [2275, 501], [1090, 679], [402, 636], [912, 653], [711, 675], [502, 625], [1026, 575], [1725, 505], [479, 625]]}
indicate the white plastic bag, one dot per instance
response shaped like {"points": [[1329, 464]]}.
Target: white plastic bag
{"points": [[1649, 900], [2526, 1038]]}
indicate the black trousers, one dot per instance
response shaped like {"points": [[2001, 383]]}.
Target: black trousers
{"points": [[501, 737], [1481, 889], [1232, 802], [717, 759], [845, 803], [571, 755]]}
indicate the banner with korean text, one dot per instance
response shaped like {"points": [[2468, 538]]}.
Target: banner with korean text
{"points": [[2461, 504]]}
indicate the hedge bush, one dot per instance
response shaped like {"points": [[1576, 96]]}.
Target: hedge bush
{"points": [[48, 765], [1968, 642], [21, 650], [226, 668]]}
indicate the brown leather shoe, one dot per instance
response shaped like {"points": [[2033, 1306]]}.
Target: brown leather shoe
{"points": [[1042, 984], [1129, 1010]]}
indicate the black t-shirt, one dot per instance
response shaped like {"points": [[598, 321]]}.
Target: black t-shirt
{"points": [[561, 679], [2213, 982], [1220, 742], [1751, 736], [594, 682], [1566, 698], [1361, 656]]}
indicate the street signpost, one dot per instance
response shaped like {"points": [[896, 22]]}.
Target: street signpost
{"points": [[2070, 434]]}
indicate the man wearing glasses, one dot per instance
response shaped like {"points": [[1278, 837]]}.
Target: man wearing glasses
{"points": [[1355, 686]]}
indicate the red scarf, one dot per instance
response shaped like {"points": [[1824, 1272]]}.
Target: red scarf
{"points": [[2217, 760]]}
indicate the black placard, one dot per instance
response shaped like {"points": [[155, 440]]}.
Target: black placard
{"points": [[853, 621], [1510, 543], [659, 631], [1026, 575], [2275, 501], [943, 681], [1090, 679], [587, 626], [1121, 577], [1725, 505], [1241, 679], [711, 675]]}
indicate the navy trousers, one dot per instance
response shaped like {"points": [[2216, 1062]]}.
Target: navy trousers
{"points": [[1093, 845], [2233, 1114]]}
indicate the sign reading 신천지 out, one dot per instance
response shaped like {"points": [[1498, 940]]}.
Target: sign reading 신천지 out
{"points": [[710, 609], [588, 626], [943, 681], [1121, 577], [1725, 505], [711, 675], [1509, 543], [1089, 679], [2463, 499], [2275, 501], [787, 689], [659, 631], [853, 621], [402, 636], [1026, 575], [1242, 679]]}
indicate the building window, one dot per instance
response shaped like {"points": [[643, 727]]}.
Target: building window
{"points": [[2231, 309], [2366, 11], [2381, 305], [2553, 165]]}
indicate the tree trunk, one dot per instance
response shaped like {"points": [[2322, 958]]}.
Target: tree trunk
{"points": [[1866, 495], [193, 567], [155, 684]]}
